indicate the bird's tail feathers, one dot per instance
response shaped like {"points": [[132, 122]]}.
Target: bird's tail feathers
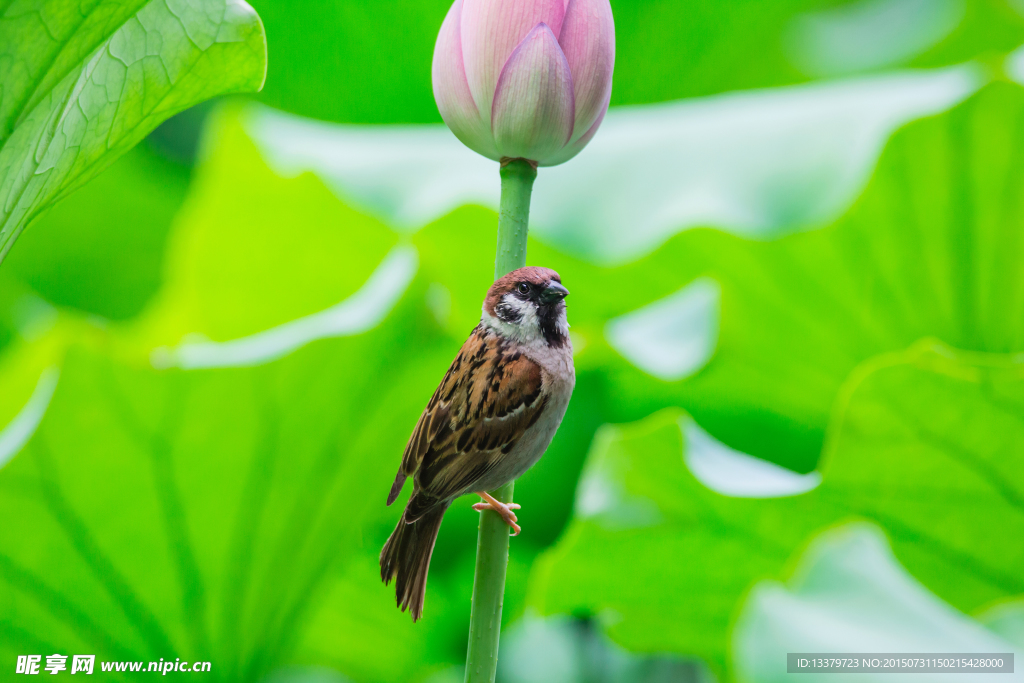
{"points": [[406, 558]]}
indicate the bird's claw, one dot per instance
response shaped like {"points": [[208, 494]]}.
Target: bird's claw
{"points": [[504, 510]]}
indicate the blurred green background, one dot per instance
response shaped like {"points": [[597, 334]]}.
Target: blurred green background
{"points": [[817, 423]]}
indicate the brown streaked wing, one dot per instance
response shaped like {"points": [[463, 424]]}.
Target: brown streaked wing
{"points": [[490, 396], [430, 428]]}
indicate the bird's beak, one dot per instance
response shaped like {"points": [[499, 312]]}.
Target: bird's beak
{"points": [[553, 292]]}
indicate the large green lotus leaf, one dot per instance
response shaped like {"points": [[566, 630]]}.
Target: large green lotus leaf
{"points": [[85, 82], [931, 248], [201, 514], [278, 490], [923, 442]]}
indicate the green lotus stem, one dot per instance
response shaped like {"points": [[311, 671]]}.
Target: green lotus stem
{"points": [[517, 178]]}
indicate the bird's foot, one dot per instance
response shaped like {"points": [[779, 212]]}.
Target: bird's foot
{"points": [[503, 509]]}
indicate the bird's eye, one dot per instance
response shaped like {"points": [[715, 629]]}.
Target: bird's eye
{"points": [[523, 288]]}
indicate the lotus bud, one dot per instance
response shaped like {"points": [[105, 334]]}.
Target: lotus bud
{"points": [[525, 79]]}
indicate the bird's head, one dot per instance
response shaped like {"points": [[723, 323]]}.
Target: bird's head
{"points": [[527, 305]]}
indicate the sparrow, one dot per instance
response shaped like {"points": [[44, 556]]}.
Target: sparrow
{"points": [[490, 420]]}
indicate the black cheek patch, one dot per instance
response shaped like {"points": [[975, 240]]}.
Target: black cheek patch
{"points": [[508, 313]]}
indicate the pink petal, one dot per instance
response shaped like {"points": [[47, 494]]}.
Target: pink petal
{"points": [[533, 108], [451, 89], [588, 41], [574, 148], [491, 30]]}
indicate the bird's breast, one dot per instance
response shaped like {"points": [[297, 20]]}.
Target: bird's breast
{"points": [[559, 379]]}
